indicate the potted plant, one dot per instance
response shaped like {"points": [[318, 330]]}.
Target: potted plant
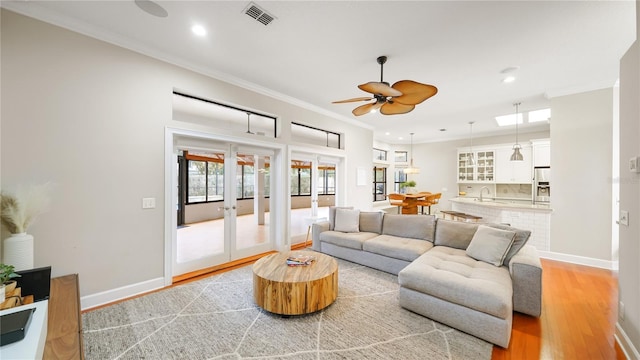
{"points": [[18, 210], [407, 186], [7, 273]]}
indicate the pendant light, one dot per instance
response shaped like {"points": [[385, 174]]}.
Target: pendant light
{"points": [[411, 169], [516, 156], [470, 159]]}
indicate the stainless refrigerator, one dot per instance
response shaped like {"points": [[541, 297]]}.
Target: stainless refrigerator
{"points": [[542, 185]]}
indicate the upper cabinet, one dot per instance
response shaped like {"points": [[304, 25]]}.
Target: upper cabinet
{"points": [[481, 171], [513, 172], [541, 152]]}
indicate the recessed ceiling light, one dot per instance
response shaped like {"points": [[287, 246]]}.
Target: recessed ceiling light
{"points": [[509, 79], [152, 8], [400, 138], [387, 133], [199, 30]]}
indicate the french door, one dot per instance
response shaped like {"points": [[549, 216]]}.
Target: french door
{"points": [[226, 207]]}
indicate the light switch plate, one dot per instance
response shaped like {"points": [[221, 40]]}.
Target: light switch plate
{"points": [[624, 218], [148, 203]]}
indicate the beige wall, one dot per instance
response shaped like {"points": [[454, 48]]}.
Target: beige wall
{"points": [[629, 281], [581, 163], [90, 117]]}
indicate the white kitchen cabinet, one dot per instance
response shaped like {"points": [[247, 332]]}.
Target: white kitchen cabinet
{"points": [[541, 153], [481, 171], [513, 172]]}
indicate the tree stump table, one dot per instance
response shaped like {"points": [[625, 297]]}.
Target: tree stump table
{"points": [[295, 290]]}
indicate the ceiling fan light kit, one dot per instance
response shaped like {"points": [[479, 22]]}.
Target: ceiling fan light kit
{"points": [[400, 98], [517, 155]]}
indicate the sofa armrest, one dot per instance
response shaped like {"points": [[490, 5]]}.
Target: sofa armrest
{"points": [[316, 229], [526, 274]]}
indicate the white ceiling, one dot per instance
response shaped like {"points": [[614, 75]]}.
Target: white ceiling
{"points": [[316, 52]]}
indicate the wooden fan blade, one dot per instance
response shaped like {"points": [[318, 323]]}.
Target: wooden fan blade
{"points": [[379, 88], [353, 100], [366, 108], [413, 92], [394, 108]]}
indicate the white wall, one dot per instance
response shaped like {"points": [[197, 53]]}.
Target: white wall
{"points": [[90, 117], [628, 327], [581, 163]]}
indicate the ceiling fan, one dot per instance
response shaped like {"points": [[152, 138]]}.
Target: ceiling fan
{"points": [[400, 98]]}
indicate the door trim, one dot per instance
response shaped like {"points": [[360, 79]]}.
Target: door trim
{"points": [[278, 230]]}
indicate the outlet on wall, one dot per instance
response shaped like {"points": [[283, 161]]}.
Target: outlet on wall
{"points": [[624, 218]]}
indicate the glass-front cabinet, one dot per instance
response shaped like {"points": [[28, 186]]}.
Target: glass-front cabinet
{"points": [[481, 171]]}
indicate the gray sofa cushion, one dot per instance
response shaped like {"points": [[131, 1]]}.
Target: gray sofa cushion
{"points": [[397, 247], [350, 240], [449, 274], [522, 236], [455, 234], [371, 221], [409, 226], [332, 215]]}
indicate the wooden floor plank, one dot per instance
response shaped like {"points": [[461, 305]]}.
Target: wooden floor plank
{"points": [[578, 317]]}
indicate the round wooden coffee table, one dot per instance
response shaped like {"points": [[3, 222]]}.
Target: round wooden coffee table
{"points": [[295, 290]]}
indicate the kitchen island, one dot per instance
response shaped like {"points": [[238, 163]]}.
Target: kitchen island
{"points": [[517, 213]]}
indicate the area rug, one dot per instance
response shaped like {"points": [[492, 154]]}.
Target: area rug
{"points": [[216, 318]]}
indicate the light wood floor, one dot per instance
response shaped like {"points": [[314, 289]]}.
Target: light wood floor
{"points": [[578, 319]]}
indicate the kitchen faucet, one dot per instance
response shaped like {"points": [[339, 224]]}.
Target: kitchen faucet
{"points": [[488, 192]]}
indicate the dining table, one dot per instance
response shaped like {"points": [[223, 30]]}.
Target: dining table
{"points": [[412, 202]]}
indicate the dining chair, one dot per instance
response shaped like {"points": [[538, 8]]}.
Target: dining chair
{"points": [[397, 200], [429, 200]]}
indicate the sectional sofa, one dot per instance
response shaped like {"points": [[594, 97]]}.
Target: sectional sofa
{"points": [[470, 276]]}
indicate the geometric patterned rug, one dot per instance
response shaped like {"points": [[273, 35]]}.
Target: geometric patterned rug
{"points": [[216, 318]]}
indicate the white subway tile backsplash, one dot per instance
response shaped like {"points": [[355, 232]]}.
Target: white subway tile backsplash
{"points": [[539, 223]]}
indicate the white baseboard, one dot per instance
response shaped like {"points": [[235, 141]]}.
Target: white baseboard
{"points": [[625, 343], [580, 260], [109, 296]]}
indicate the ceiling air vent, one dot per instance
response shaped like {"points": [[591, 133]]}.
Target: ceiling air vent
{"points": [[259, 14]]}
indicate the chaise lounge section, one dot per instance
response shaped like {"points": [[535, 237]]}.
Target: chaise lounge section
{"points": [[470, 276]]}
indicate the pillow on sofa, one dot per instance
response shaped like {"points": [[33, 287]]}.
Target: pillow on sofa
{"points": [[490, 244], [522, 236], [347, 220], [332, 215], [455, 234], [371, 221]]}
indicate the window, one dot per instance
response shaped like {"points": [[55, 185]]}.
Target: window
{"points": [[401, 156], [300, 178], [326, 180], [205, 177], [379, 184], [205, 181], [398, 178], [379, 155], [311, 135]]}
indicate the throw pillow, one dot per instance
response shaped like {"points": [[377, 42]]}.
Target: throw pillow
{"points": [[347, 220], [332, 215], [490, 244]]}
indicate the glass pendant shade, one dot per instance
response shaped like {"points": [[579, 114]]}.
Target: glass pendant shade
{"points": [[411, 169], [470, 159]]}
